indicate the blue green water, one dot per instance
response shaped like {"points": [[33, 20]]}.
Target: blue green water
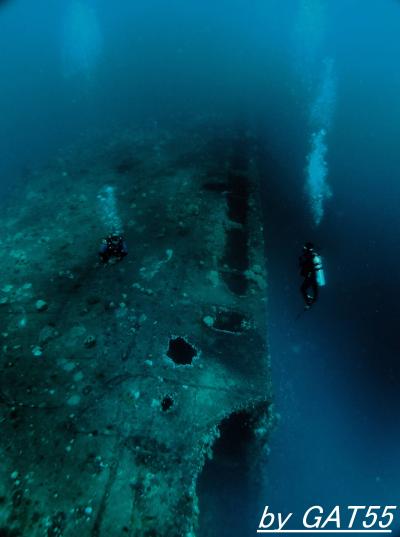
{"points": [[319, 83]]}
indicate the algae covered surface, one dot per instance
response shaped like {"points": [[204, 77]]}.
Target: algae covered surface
{"points": [[115, 377]]}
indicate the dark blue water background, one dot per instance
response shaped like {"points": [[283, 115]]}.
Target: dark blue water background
{"points": [[336, 369]]}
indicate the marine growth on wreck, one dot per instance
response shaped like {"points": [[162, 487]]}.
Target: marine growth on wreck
{"points": [[119, 374], [199, 293]]}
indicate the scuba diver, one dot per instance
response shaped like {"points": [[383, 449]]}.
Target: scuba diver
{"points": [[312, 271], [113, 248]]}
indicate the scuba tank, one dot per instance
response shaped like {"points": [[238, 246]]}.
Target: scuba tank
{"points": [[319, 270]]}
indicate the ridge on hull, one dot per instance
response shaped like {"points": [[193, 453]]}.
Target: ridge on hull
{"points": [[116, 378]]}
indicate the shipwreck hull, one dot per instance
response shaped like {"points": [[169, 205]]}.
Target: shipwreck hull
{"points": [[114, 387]]}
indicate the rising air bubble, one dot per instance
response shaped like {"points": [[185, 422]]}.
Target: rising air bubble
{"points": [[82, 40], [321, 113], [108, 210], [317, 188]]}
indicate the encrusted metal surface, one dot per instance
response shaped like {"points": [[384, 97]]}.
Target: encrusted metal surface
{"points": [[103, 433]]}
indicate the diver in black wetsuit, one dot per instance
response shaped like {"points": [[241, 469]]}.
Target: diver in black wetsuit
{"points": [[113, 248], [308, 270]]}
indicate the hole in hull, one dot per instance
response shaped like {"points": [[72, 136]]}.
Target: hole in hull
{"points": [[180, 351], [228, 496], [167, 403]]}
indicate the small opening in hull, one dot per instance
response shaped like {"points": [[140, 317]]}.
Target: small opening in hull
{"points": [[167, 403], [180, 351]]}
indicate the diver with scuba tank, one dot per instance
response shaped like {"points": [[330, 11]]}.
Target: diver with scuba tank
{"points": [[312, 271]]}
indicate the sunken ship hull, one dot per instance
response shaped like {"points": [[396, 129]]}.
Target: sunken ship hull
{"points": [[118, 379]]}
